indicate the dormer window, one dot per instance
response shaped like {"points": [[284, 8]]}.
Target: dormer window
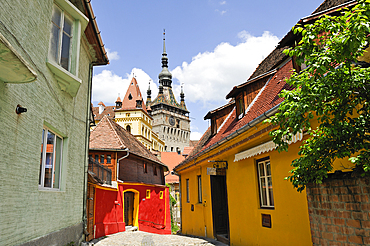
{"points": [[213, 126], [138, 103], [240, 107], [130, 97]]}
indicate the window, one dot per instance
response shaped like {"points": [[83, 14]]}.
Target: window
{"points": [[145, 168], [128, 128], [102, 159], [199, 189], [96, 158], [161, 195], [109, 159], [67, 24], [61, 38], [187, 191], [155, 170], [51, 160], [240, 107], [147, 194], [265, 183]]}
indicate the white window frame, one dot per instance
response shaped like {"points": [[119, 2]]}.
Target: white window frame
{"points": [[265, 200], [43, 160], [68, 80]]}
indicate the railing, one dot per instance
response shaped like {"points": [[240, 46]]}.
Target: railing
{"points": [[102, 172]]}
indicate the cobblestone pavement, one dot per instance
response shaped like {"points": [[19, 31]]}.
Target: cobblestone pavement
{"points": [[150, 239]]}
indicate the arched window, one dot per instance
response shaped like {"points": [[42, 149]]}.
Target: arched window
{"points": [[128, 128]]}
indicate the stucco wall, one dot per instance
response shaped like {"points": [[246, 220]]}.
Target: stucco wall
{"points": [[25, 211], [290, 222]]}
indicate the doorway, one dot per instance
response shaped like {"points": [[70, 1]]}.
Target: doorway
{"points": [[220, 213], [129, 208]]}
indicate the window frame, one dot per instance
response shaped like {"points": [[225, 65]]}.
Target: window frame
{"points": [[43, 160], [68, 80], [269, 202]]}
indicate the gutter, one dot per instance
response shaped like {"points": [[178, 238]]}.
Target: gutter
{"points": [[241, 130]]}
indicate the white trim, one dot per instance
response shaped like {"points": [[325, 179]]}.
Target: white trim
{"points": [[262, 148]]}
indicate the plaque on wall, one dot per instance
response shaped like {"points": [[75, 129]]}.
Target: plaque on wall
{"points": [[266, 220]]}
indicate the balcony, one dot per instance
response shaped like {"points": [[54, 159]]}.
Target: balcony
{"points": [[101, 173]]}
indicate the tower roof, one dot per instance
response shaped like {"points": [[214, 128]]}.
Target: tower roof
{"points": [[165, 95], [132, 97]]}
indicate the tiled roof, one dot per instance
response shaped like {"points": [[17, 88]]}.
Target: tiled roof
{"points": [[268, 99], [187, 151], [171, 159], [132, 95], [168, 98], [327, 4], [108, 111], [108, 135], [193, 143]]}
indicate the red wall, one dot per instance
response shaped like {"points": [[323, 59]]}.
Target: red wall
{"points": [[108, 215], [153, 213]]}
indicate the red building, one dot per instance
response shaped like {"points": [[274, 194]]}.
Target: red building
{"points": [[137, 195]]}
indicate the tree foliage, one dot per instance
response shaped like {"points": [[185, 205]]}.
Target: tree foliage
{"points": [[333, 91]]}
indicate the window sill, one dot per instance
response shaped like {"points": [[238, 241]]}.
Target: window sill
{"points": [[66, 81], [49, 189], [268, 208], [13, 68]]}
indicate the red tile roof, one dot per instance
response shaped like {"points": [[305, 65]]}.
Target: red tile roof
{"points": [[266, 100], [108, 135], [171, 159], [133, 94], [108, 111]]}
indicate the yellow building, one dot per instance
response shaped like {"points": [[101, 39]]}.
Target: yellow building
{"points": [[232, 184], [132, 115]]}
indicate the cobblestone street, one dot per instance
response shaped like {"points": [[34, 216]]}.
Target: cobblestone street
{"points": [[150, 239]]}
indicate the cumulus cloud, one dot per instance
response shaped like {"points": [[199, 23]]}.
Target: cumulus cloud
{"points": [[211, 75], [112, 55], [222, 2], [107, 85], [195, 135]]}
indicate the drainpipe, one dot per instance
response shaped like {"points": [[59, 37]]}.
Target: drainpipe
{"points": [[117, 174], [87, 140], [175, 173]]}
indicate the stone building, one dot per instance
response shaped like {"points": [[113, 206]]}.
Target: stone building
{"points": [[170, 119]]}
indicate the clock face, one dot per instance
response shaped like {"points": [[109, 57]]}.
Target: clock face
{"points": [[171, 120]]}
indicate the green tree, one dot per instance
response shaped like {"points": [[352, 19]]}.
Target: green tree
{"points": [[333, 90]]}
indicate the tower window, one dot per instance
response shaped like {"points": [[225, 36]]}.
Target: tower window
{"points": [[130, 97], [128, 128]]}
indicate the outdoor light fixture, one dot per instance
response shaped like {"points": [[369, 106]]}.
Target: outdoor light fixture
{"points": [[20, 109]]}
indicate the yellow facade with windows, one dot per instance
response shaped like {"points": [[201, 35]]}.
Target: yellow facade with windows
{"points": [[288, 216], [139, 124]]}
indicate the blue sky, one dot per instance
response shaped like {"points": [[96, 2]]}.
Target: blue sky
{"points": [[211, 46]]}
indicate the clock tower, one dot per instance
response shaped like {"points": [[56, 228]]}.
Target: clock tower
{"points": [[170, 119]]}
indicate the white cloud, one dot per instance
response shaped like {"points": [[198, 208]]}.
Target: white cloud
{"points": [[223, 3], [195, 135], [112, 55], [211, 75], [222, 12], [107, 85]]}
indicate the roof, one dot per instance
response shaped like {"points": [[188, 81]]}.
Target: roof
{"points": [[219, 109], [263, 102], [327, 4], [108, 135], [133, 94], [171, 159], [187, 151], [108, 111], [193, 143], [93, 36], [168, 98]]}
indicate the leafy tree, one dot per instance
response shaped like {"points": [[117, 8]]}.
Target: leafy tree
{"points": [[333, 91]]}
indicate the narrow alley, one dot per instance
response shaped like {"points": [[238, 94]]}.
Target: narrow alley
{"points": [[150, 239]]}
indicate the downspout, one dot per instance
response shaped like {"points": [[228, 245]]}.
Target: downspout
{"points": [[175, 173], [117, 174], [87, 140]]}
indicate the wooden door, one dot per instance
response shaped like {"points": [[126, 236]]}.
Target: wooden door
{"points": [[90, 211], [219, 205], [129, 208]]}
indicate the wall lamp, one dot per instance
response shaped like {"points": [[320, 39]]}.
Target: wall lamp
{"points": [[19, 109]]}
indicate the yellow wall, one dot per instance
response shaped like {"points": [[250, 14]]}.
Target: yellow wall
{"points": [[290, 222]]}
